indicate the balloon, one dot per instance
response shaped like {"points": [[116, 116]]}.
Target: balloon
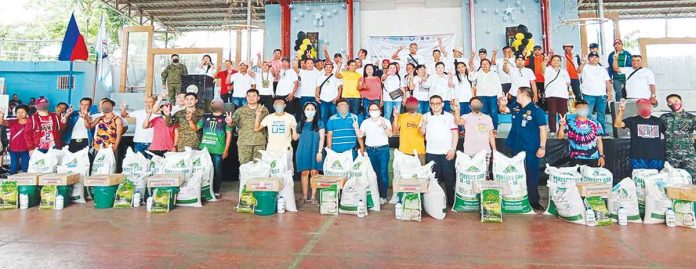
{"points": [[296, 47], [516, 43], [309, 47], [519, 36], [314, 54], [531, 42], [303, 47], [306, 41], [298, 52], [527, 35], [522, 28], [298, 42], [524, 42], [301, 35], [530, 46], [520, 47]]}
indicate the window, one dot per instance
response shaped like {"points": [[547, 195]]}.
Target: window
{"points": [[63, 83]]}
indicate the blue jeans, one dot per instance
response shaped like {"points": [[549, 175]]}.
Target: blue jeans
{"points": [[389, 107], [423, 107], [618, 88], [17, 159], [141, 147], [354, 105], [599, 102], [239, 102], [217, 168], [490, 108], [647, 164], [366, 106], [464, 108], [379, 158], [326, 109]]}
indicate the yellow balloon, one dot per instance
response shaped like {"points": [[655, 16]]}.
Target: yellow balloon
{"points": [[299, 52], [303, 47], [306, 41], [531, 42], [313, 53], [516, 44], [519, 36]]}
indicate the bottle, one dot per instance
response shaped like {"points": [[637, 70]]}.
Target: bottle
{"points": [[670, 218], [148, 205], [362, 211], [60, 202], [23, 201], [281, 205], [623, 217], [590, 218], [136, 199], [399, 210]]}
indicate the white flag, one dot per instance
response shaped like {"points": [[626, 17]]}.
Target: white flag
{"points": [[101, 47]]}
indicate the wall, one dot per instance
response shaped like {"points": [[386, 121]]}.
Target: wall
{"points": [[564, 10], [33, 79], [492, 17]]}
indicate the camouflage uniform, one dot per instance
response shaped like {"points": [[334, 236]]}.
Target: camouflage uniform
{"points": [[172, 77], [187, 137], [249, 142], [679, 141]]}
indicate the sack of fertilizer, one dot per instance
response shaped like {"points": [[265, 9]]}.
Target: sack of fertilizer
{"points": [[411, 206], [677, 175], [656, 200], [511, 172], [560, 175], [435, 201], [177, 163], [352, 194], [338, 164], [471, 171], [124, 194], [44, 163], [491, 204], [135, 163], [328, 200], [202, 163], [77, 163], [624, 195], [288, 192], [596, 175], [567, 201], [599, 207], [362, 169], [278, 160], [253, 169], [685, 213], [639, 176], [156, 163], [104, 162], [190, 192]]}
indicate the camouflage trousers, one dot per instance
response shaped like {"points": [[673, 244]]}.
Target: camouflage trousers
{"points": [[173, 89], [683, 159], [248, 153]]}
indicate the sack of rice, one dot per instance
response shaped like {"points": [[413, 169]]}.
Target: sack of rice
{"points": [[9, 195], [161, 200], [278, 160], [135, 163], [435, 201], [353, 193], [491, 204], [124, 194], [638, 176], [567, 201], [44, 163], [560, 175], [685, 213], [104, 162], [624, 195], [362, 169], [511, 172], [190, 192], [338, 164], [288, 192], [202, 163], [156, 163], [656, 200], [470, 172], [177, 163], [328, 200], [254, 169], [677, 175], [77, 163], [596, 174]]}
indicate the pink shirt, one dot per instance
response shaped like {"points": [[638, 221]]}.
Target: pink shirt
{"points": [[163, 136], [276, 65], [373, 89], [477, 133]]}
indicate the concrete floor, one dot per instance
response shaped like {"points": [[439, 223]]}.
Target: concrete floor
{"points": [[215, 236]]}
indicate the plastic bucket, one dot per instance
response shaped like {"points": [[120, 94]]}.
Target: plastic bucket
{"points": [[104, 196], [32, 191], [265, 202]]}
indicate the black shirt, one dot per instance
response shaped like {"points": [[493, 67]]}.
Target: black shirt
{"points": [[646, 137]]}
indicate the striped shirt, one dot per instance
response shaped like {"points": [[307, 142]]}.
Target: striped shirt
{"points": [[343, 134]]}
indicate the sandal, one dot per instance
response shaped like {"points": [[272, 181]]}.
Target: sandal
{"points": [[314, 202]]}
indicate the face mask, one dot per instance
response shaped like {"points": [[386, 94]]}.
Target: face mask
{"points": [[279, 108], [476, 109], [675, 107], [374, 113], [176, 61], [310, 114], [645, 112], [583, 112]]}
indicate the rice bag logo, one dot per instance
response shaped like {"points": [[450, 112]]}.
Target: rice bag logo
{"points": [[510, 169], [40, 162], [101, 158], [72, 163], [180, 164], [197, 162], [473, 169]]}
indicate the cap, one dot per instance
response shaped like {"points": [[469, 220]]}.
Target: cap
{"points": [[482, 50], [217, 100], [567, 45], [164, 103], [592, 54], [385, 61], [594, 46], [411, 100], [537, 47], [41, 100], [618, 41], [643, 101], [459, 49]]}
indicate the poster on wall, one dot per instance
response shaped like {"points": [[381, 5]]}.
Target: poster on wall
{"points": [[382, 47]]}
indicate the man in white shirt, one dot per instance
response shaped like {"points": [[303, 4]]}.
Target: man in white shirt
{"points": [[308, 85], [328, 90], [503, 67], [242, 81], [594, 47], [142, 137], [640, 83], [476, 61], [596, 87], [412, 56], [441, 136], [280, 127], [521, 76], [458, 56], [264, 84], [288, 84]]}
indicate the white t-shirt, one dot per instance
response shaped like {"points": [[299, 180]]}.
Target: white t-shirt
{"points": [[308, 82], [279, 131], [407, 58], [141, 135], [79, 131], [438, 132], [242, 83], [594, 80], [286, 82], [260, 77], [487, 84], [462, 90], [556, 87], [639, 84], [520, 77], [390, 84], [439, 85], [206, 71], [500, 63], [375, 135], [329, 91], [420, 92], [431, 69]]}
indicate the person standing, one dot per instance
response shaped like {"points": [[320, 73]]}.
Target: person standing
{"points": [[419, 90], [216, 138], [276, 66], [327, 92], [528, 134], [521, 76], [206, 67], [556, 90], [77, 135], [407, 127], [308, 85], [441, 133], [478, 128], [310, 148], [226, 87], [412, 57], [376, 131], [537, 62], [163, 136], [679, 136], [142, 137], [596, 88], [281, 128], [594, 48], [187, 119], [619, 67], [342, 130], [458, 56], [171, 76], [393, 92], [570, 63], [288, 83], [647, 147], [242, 81], [503, 66], [21, 143], [264, 85], [489, 90], [440, 84], [462, 88], [370, 87], [350, 92], [584, 137], [108, 128], [245, 118], [640, 83], [46, 127], [475, 61]]}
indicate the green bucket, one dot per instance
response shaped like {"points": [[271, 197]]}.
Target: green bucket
{"points": [[174, 190], [265, 202], [32, 191], [104, 196], [66, 192]]}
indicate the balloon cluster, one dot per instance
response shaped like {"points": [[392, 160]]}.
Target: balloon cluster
{"points": [[523, 43], [304, 47]]}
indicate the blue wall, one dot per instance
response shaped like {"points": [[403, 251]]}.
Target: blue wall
{"points": [[490, 26], [33, 79], [564, 10]]}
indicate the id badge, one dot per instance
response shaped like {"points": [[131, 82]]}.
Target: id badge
{"points": [[265, 83], [524, 123]]}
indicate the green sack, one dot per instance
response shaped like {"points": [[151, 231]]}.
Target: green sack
{"points": [[124, 194], [48, 197], [491, 205], [8, 195], [246, 202], [161, 200]]}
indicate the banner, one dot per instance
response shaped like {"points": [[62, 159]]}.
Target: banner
{"points": [[382, 47], [101, 46]]}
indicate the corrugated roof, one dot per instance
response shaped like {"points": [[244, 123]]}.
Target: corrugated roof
{"points": [[634, 9]]}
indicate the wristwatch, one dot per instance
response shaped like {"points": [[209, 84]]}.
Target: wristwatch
{"points": [[602, 156], [542, 147]]}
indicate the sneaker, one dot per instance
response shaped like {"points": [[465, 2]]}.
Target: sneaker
{"points": [[217, 196], [382, 201]]}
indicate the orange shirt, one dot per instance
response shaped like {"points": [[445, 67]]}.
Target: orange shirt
{"points": [[539, 66], [570, 67]]}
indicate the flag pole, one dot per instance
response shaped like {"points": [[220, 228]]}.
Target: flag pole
{"points": [[96, 73], [70, 82]]}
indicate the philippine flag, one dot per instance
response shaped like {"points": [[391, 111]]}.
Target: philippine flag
{"points": [[74, 47]]}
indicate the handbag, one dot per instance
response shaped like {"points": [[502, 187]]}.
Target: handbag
{"points": [[396, 94]]}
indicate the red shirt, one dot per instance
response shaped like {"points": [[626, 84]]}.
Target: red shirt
{"points": [[163, 138], [45, 130], [570, 67], [539, 66], [20, 136], [225, 86]]}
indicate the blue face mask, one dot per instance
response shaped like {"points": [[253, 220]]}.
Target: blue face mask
{"points": [[279, 108], [583, 112]]}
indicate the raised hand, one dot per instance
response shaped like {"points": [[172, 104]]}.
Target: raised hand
{"points": [[622, 105], [259, 110], [228, 118], [355, 123], [69, 111], [189, 116], [495, 52], [562, 121]]}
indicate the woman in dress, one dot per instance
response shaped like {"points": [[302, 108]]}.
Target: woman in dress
{"points": [[309, 148]]}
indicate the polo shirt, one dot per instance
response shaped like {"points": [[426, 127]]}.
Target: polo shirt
{"points": [[343, 136], [242, 83], [286, 82], [524, 133], [638, 85], [594, 80], [500, 63], [350, 84], [520, 77], [375, 136], [438, 132]]}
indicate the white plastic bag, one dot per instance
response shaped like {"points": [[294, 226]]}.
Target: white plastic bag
{"points": [[624, 194], [190, 192], [400, 163], [567, 201], [253, 169], [470, 172], [560, 175], [362, 168], [78, 163], [288, 192], [104, 162], [45, 163], [202, 163], [656, 200], [338, 164], [353, 192], [596, 175], [511, 171], [677, 175], [435, 200], [135, 163]]}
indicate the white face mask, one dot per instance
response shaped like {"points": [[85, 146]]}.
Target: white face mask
{"points": [[310, 113], [375, 114]]}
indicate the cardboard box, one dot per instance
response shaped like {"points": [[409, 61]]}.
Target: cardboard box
{"points": [[411, 185], [104, 180], [588, 189], [25, 179], [685, 192], [264, 184], [165, 180], [61, 179], [322, 181]]}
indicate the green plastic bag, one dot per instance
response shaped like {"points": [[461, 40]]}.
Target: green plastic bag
{"points": [[599, 207], [124, 194], [161, 200], [48, 197], [8, 195], [246, 202], [412, 206], [328, 200], [491, 205]]}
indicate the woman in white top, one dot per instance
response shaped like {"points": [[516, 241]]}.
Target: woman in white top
{"points": [[462, 87], [488, 89], [556, 85], [206, 67], [440, 85], [377, 131], [418, 89], [392, 84]]}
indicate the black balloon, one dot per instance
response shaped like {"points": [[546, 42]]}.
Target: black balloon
{"points": [[296, 48], [524, 42], [522, 28], [520, 48], [301, 35], [527, 35], [298, 42], [309, 48]]}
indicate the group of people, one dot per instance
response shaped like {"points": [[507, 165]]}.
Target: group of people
{"points": [[357, 106]]}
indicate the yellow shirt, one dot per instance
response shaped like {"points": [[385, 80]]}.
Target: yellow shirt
{"points": [[410, 138], [350, 84]]}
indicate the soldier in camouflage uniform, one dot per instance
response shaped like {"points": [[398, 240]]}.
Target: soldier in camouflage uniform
{"points": [[171, 77], [245, 118], [187, 119], [679, 136]]}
